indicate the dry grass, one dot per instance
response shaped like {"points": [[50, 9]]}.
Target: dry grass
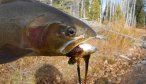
{"points": [[116, 55], [115, 58]]}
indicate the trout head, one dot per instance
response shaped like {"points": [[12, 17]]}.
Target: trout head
{"points": [[56, 33]]}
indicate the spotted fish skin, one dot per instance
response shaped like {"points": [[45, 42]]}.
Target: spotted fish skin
{"points": [[40, 27]]}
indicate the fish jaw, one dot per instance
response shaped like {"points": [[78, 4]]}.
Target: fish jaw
{"points": [[87, 34], [66, 48]]}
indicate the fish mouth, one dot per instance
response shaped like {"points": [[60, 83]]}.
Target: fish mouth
{"points": [[76, 49], [74, 43]]}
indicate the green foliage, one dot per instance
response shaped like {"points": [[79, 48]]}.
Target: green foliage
{"points": [[87, 7], [139, 13], [140, 18], [94, 13], [118, 14], [63, 5]]}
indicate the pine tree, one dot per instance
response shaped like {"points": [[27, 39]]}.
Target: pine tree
{"points": [[64, 5], [94, 13], [118, 13], [140, 13]]}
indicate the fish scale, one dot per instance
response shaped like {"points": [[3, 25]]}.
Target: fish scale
{"points": [[19, 16], [10, 35]]}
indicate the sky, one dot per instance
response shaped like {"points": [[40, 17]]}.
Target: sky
{"points": [[145, 5], [104, 3], [117, 1]]}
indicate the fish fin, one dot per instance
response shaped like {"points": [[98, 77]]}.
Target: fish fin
{"points": [[9, 53]]}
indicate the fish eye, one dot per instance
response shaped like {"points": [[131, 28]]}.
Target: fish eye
{"points": [[71, 32]]}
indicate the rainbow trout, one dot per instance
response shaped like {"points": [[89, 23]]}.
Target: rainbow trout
{"points": [[30, 26]]}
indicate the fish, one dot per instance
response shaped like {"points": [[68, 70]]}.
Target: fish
{"points": [[28, 26]]}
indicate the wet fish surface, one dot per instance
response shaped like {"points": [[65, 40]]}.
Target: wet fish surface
{"points": [[32, 26]]}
